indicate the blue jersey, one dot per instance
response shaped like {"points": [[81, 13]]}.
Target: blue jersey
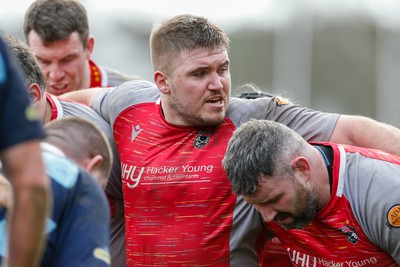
{"points": [[19, 120], [79, 225], [78, 230]]}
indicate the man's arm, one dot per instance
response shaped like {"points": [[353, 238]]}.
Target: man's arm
{"points": [[366, 132], [83, 96], [23, 164]]}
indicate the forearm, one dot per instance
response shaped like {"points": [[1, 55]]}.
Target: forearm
{"points": [[26, 231], [24, 166], [366, 132], [83, 96]]}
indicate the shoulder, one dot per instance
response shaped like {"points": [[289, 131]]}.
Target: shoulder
{"points": [[136, 91], [371, 187], [241, 109], [20, 119], [116, 77]]}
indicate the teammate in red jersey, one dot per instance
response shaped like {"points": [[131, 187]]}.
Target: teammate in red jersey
{"points": [[171, 138], [329, 205], [58, 33]]}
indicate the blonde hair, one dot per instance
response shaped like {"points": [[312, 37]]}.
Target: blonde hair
{"points": [[79, 139], [183, 33]]}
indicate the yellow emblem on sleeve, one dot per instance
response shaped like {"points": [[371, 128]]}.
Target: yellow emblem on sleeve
{"points": [[393, 217], [280, 101]]}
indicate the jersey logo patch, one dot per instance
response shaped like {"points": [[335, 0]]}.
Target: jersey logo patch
{"points": [[135, 131], [31, 113], [201, 139], [350, 233], [102, 254], [280, 101], [393, 217]]}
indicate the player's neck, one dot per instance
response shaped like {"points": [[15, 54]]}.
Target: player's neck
{"points": [[324, 174], [86, 79], [48, 112]]}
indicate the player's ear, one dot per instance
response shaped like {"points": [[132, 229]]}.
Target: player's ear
{"points": [[301, 168], [162, 81], [93, 166], [35, 93], [93, 163], [89, 46]]}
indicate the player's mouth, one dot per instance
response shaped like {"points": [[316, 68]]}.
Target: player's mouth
{"points": [[283, 219], [217, 101], [59, 88]]}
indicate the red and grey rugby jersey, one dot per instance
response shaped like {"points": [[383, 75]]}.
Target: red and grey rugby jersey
{"points": [[359, 225], [179, 209]]}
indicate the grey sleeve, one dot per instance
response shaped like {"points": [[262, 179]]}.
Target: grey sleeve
{"points": [[372, 188], [75, 109], [112, 101], [116, 77], [109, 103], [99, 103], [313, 125]]}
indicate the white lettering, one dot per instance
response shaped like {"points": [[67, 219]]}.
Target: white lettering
{"points": [[302, 259], [202, 168], [329, 263], [132, 174], [305, 260], [128, 173], [364, 262], [163, 169]]}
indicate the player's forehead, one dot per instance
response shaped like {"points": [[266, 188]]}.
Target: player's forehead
{"points": [[72, 44], [201, 58]]}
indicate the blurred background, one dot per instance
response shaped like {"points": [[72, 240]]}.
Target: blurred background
{"points": [[337, 56]]}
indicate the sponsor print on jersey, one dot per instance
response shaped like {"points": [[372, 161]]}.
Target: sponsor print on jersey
{"points": [[178, 200], [393, 217], [164, 174], [304, 260]]}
